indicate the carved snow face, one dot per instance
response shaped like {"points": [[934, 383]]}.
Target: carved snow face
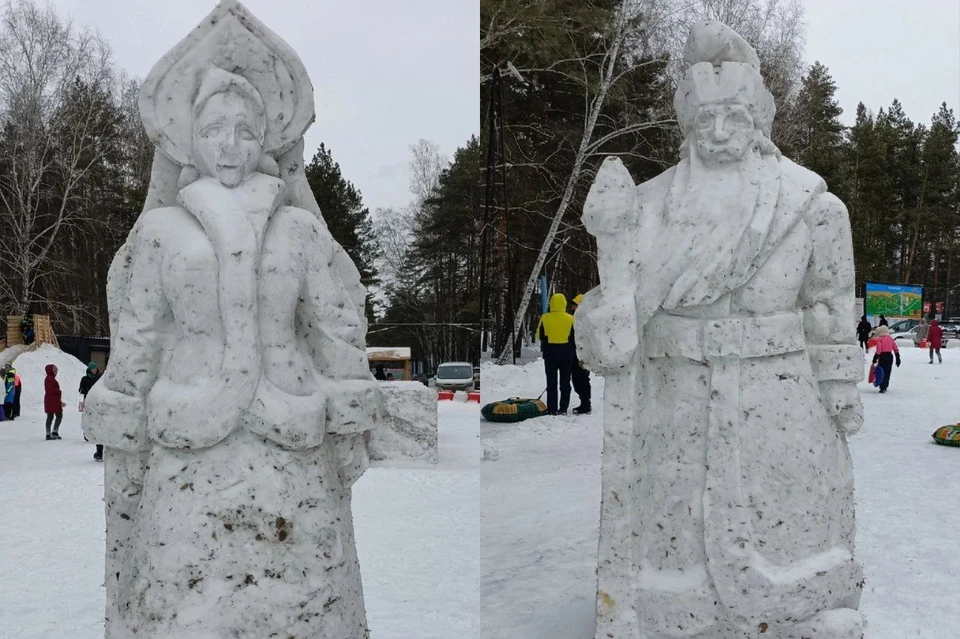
{"points": [[228, 138], [724, 132]]}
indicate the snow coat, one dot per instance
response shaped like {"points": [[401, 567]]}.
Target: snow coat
{"points": [[863, 330], [935, 335], [52, 397]]}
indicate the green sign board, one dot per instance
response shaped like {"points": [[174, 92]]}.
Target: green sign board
{"points": [[894, 300]]}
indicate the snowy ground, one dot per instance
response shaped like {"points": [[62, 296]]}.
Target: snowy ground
{"points": [[540, 509], [416, 527]]}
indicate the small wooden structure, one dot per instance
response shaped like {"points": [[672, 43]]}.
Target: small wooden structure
{"points": [[392, 358], [42, 328]]}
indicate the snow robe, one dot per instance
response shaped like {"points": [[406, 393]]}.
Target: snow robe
{"points": [[239, 373], [727, 482]]}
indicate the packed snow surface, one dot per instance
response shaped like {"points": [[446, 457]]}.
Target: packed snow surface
{"points": [[540, 508], [416, 526]]}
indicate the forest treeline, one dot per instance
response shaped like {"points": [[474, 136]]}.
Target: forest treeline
{"points": [[565, 83], [75, 166]]}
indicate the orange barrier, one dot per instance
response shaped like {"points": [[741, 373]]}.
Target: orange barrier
{"points": [[445, 395], [473, 396]]}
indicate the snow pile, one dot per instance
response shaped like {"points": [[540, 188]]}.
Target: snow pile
{"points": [[410, 429], [503, 382], [10, 354], [540, 509], [30, 366]]}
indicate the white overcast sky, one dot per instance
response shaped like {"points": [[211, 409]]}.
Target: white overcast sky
{"points": [[878, 50], [386, 73]]}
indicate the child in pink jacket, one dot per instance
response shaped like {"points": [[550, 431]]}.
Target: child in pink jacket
{"points": [[884, 354]]}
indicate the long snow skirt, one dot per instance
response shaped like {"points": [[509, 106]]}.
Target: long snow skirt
{"points": [[243, 539]]}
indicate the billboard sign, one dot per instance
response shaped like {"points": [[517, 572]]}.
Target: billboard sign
{"points": [[894, 300]]}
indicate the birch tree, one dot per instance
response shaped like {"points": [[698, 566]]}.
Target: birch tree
{"points": [[618, 52], [57, 129]]}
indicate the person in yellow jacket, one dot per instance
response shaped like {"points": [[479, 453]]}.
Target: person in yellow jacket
{"points": [[580, 375], [555, 332]]}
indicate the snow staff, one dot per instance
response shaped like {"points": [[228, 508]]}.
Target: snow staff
{"points": [[555, 332], [721, 325], [238, 389]]}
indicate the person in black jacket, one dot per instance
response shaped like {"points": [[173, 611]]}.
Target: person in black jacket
{"points": [[580, 375], [556, 335], [883, 321], [91, 378], [863, 331]]}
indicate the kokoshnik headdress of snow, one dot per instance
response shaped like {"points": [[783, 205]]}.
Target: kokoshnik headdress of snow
{"points": [[230, 39], [724, 68]]}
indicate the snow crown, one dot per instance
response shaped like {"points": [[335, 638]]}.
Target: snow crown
{"points": [[724, 68], [230, 39]]}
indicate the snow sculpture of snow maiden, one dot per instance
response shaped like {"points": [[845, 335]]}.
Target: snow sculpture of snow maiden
{"points": [[722, 326], [238, 389]]}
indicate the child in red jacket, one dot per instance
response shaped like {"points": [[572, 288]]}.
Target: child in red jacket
{"points": [[53, 403]]}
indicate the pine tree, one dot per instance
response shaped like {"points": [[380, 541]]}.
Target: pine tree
{"points": [[345, 215], [434, 306], [819, 130]]}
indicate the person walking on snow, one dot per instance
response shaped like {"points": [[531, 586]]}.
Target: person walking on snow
{"points": [[935, 340], [883, 321], [923, 329], [53, 403], [555, 332], [86, 383], [17, 387], [884, 354], [863, 331], [9, 390], [580, 375]]}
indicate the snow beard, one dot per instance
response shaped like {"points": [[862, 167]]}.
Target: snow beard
{"points": [[716, 221]]}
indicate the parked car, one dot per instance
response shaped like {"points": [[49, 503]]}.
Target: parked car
{"points": [[903, 326], [454, 376], [910, 334], [950, 329]]}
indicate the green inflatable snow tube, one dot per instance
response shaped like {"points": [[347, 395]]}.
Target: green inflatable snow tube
{"points": [[515, 409]]}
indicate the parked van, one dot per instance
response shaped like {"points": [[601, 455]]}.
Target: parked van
{"points": [[454, 376]]}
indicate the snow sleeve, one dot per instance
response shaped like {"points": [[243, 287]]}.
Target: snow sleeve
{"points": [[335, 330], [827, 300], [114, 411]]}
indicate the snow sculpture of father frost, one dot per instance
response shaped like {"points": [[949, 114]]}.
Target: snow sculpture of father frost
{"points": [[238, 388], [722, 326]]}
